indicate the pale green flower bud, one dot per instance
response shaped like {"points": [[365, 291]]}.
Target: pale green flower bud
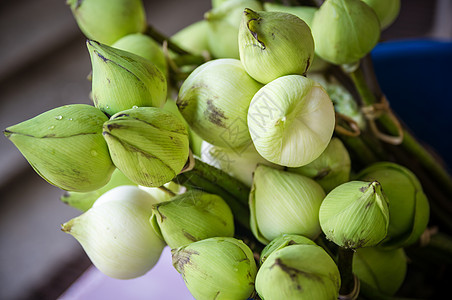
{"points": [[160, 195], [116, 235], [193, 37], [267, 37], [291, 121], [149, 145], [331, 168], [303, 272], [122, 80], [283, 202], [107, 21], [240, 165], [409, 209], [345, 31], [306, 13], [355, 214], [218, 268], [192, 216], [65, 147], [214, 101], [223, 27], [144, 46], [282, 241], [84, 201], [384, 270], [386, 10]]}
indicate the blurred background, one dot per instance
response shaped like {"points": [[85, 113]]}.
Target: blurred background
{"points": [[44, 64]]}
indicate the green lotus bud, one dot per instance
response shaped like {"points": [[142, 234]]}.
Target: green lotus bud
{"points": [[282, 241], [355, 214], [65, 147], [148, 145], [343, 101], [216, 268], [108, 21], [190, 217], [195, 140], [331, 168], [193, 38], [386, 10], [383, 270], [306, 13], [122, 80], [214, 101], [408, 205], [283, 202], [144, 46], [84, 201], [160, 195], [298, 272], [116, 235], [345, 31], [223, 27], [291, 121], [240, 165], [267, 37]]}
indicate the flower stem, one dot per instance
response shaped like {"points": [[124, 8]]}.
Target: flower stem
{"points": [[344, 264], [215, 181]]}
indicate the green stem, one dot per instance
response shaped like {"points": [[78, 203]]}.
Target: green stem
{"points": [[160, 38], [409, 143], [215, 181], [344, 264]]}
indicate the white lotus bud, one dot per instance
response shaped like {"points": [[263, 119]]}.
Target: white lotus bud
{"points": [[116, 235]]}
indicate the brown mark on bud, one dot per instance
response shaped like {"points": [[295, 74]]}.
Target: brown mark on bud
{"points": [[294, 273], [214, 114], [181, 258]]}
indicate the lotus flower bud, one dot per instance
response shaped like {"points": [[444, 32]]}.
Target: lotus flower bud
{"points": [[192, 216], [160, 195], [331, 168], [282, 241], [291, 121], [116, 235], [193, 38], [216, 268], [383, 270], [386, 10], [223, 27], [408, 205], [84, 201], [343, 101], [144, 46], [355, 214], [298, 272], [345, 31], [65, 147], [107, 21], [267, 37], [306, 13], [282, 202], [240, 165], [122, 80], [148, 145], [214, 101]]}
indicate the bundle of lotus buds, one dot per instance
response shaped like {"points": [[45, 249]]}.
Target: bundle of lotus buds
{"points": [[237, 144]]}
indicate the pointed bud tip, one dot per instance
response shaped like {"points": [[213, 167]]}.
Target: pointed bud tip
{"points": [[66, 227], [7, 133]]}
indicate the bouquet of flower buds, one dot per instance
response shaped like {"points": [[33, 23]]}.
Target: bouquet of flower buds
{"points": [[253, 143]]}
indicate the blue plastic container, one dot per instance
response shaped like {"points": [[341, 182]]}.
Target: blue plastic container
{"points": [[416, 77]]}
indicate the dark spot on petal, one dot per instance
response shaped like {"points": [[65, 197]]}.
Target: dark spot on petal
{"points": [[214, 114]]}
